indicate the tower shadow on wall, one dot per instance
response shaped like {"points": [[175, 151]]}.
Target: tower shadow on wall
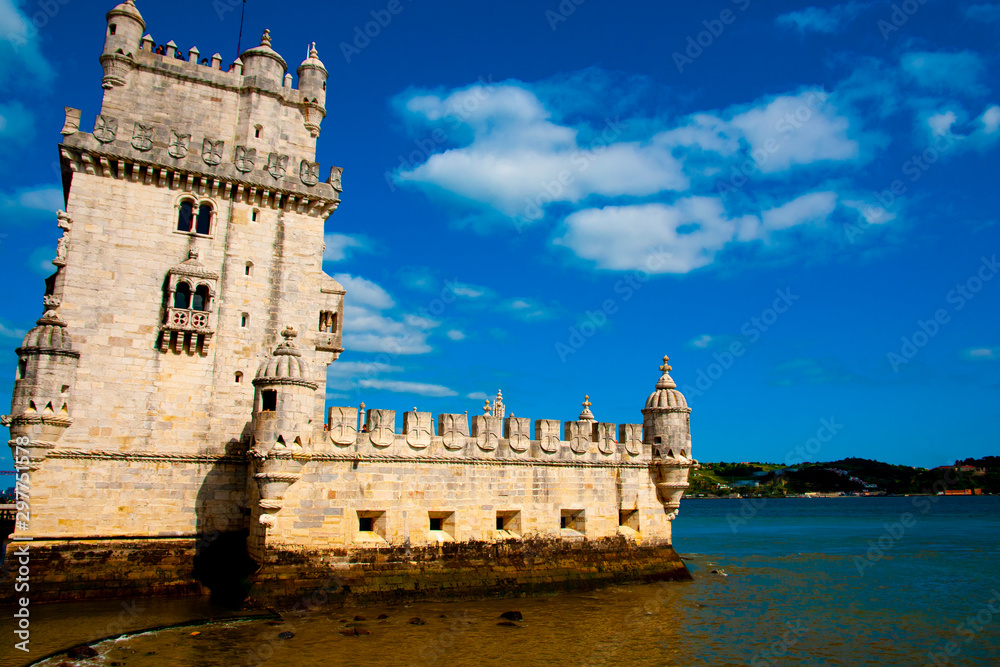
{"points": [[221, 561]]}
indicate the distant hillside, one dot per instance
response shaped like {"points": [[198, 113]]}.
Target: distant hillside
{"points": [[851, 475]]}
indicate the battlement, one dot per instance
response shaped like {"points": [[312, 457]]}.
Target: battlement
{"points": [[506, 439]]}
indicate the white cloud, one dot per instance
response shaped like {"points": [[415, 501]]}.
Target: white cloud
{"points": [[368, 329], [455, 334], [794, 130], [477, 396], [28, 205], [401, 387], [21, 59], [354, 368], [680, 237], [7, 332], [337, 246], [982, 354], [364, 292], [959, 72], [827, 20], [702, 342]]}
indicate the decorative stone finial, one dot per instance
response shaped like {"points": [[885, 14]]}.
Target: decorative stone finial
{"points": [[193, 253], [265, 39], [289, 333], [51, 302], [313, 53], [486, 408], [665, 381], [586, 415]]}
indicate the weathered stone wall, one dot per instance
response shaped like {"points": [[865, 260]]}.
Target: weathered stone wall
{"points": [[100, 496]]}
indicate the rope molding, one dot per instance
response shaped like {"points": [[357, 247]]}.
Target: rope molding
{"points": [[352, 458]]}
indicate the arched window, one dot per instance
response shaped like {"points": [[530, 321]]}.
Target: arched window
{"points": [[182, 296], [256, 131], [204, 219], [185, 216], [200, 301], [239, 377], [249, 269], [22, 368]]}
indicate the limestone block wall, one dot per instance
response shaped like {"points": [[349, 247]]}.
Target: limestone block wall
{"points": [[367, 485], [77, 494]]}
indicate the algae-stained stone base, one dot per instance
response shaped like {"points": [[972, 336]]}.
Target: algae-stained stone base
{"points": [[459, 570]]}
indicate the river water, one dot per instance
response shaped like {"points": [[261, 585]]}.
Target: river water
{"points": [[840, 581]]}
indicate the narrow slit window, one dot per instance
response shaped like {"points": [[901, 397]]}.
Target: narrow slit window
{"points": [[244, 319], [238, 377], [249, 269], [112, 28]]}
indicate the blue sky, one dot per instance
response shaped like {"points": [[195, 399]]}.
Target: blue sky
{"points": [[796, 202]]}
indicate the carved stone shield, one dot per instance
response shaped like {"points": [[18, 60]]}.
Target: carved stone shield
{"points": [[607, 443], [211, 151], [547, 432], [277, 165], [343, 426], [382, 427], [578, 435], [486, 431], [518, 433], [244, 158], [178, 144], [454, 430], [631, 436], [105, 129], [309, 172], [418, 429], [142, 137]]}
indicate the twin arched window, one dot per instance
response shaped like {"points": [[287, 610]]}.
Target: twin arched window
{"points": [[196, 223], [184, 299]]}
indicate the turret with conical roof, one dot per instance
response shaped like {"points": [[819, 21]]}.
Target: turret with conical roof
{"points": [[121, 42], [264, 62], [46, 372], [666, 429], [312, 84]]}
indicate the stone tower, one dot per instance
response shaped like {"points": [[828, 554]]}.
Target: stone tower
{"points": [[666, 427], [193, 235]]}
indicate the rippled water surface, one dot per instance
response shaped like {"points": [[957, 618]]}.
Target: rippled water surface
{"points": [[842, 581]]}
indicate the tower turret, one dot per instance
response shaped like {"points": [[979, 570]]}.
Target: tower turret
{"points": [[46, 372], [666, 428], [264, 62], [284, 403], [121, 41], [312, 85]]}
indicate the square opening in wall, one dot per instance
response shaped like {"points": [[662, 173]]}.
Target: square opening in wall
{"points": [[441, 526], [371, 525], [628, 521], [508, 524], [572, 523], [268, 400]]}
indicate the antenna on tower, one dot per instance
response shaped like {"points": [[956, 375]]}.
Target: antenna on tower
{"points": [[239, 40]]}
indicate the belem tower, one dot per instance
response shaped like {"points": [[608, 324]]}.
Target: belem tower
{"points": [[172, 394]]}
